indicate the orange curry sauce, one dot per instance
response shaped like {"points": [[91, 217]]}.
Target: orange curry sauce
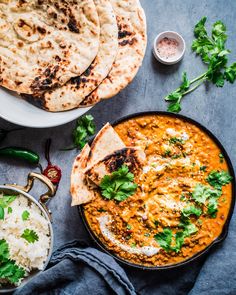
{"points": [[171, 172]]}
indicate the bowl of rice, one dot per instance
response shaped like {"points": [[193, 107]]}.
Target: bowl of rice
{"points": [[26, 234]]}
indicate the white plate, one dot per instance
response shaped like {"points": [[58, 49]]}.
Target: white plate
{"points": [[18, 111]]}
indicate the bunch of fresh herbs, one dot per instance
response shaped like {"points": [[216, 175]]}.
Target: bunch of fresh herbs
{"points": [[84, 128], [213, 53]]}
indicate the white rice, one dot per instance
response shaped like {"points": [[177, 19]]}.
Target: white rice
{"points": [[27, 255]]}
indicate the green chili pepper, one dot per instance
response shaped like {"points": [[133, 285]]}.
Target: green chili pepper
{"points": [[20, 153]]}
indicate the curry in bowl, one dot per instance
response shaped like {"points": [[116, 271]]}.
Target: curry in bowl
{"points": [[182, 197]]}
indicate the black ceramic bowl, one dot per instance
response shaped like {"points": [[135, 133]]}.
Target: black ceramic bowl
{"points": [[224, 232]]}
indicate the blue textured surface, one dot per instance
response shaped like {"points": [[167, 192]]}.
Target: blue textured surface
{"points": [[213, 107]]}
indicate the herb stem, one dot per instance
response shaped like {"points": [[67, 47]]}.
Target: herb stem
{"points": [[195, 87], [211, 49], [198, 78], [203, 79], [193, 81]]}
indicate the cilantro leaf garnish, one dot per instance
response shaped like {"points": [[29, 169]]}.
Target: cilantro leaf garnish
{"points": [[212, 207], [30, 235], [119, 185], [179, 241], [12, 272], [25, 215], [4, 202], [202, 192], [203, 168], [209, 196], [221, 156], [216, 179], [170, 242], [4, 250], [167, 153], [211, 49], [8, 268], [164, 239], [176, 140], [2, 213], [191, 210], [219, 178], [189, 229], [84, 128]]}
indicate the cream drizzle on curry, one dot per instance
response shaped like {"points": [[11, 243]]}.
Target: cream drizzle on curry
{"points": [[180, 157]]}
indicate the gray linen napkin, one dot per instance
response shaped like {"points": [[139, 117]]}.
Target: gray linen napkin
{"points": [[76, 269]]}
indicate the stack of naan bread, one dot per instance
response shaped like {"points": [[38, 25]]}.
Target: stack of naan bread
{"points": [[106, 155], [67, 54]]}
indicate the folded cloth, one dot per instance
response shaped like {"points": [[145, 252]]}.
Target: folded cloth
{"points": [[77, 269]]}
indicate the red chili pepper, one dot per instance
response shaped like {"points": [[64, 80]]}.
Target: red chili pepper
{"points": [[52, 172]]}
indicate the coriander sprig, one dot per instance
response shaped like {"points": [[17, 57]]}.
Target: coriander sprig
{"points": [[119, 185], [84, 128], [213, 53], [173, 242], [9, 270], [4, 202], [30, 235]]}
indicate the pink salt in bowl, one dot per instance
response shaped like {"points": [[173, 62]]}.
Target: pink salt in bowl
{"points": [[169, 47]]}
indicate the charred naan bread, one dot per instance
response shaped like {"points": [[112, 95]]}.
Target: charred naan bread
{"points": [[131, 157], [75, 91], [106, 142], [44, 43], [80, 189], [132, 36]]}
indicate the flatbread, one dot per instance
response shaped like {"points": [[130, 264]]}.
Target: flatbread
{"points": [[131, 157], [107, 154], [106, 142], [132, 36], [89, 101], [44, 43], [75, 91], [80, 190]]}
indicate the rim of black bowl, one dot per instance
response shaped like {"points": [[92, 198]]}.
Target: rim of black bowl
{"points": [[224, 232]]}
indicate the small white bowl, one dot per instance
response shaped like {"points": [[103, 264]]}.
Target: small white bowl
{"points": [[181, 48]]}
